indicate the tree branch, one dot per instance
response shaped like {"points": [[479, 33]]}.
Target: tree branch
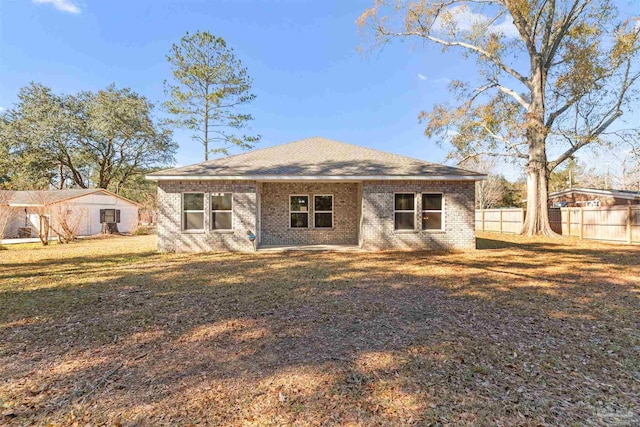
{"points": [[500, 64], [611, 116], [509, 145], [556, 39], [514, 95], [488, 153]]}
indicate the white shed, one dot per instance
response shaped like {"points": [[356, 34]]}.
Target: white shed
{"points": [[89, 207]]}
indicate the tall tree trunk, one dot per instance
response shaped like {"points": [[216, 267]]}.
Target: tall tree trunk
{"points": [[61, 184], [206, 124], [43, 230], [537, 219]]}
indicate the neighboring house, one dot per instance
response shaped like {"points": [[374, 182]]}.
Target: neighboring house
{"points": [[89, 208], [315, 192], [591, 197]]}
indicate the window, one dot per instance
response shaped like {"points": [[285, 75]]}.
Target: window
{"points": [[432, 211], [404, 211], [108, 216], [299, 211], [221, 211], [193, 211], [323, 211]]}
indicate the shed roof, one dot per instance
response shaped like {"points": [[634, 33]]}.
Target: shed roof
{"points": [[621, 194], [40, 198], [316, 158]]}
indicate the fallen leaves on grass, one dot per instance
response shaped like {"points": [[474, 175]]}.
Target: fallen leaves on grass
{"points": [[521, 332]]}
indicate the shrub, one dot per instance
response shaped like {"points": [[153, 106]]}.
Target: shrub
{"points": [[143, 230]]}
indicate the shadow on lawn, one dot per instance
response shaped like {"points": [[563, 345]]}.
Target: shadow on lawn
{"points": [[612, 253], [381, 338], [49, 267]]}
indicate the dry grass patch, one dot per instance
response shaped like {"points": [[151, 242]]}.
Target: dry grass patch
{"points": [[520, 332]]}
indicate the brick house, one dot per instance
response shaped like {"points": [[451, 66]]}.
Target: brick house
{"points": [[315, 192]]}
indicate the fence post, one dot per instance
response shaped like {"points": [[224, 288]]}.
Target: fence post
{"points": [[629, 224], [581, 222], [482, 213], [568, 221], [500, 210]]}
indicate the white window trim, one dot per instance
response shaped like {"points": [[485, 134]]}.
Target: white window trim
{"points": [[413, 211], [203, 211], [308, 212], [220, 210], [315, 211], [441, 211]]}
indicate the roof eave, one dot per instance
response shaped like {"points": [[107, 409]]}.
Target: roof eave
{"points": [[595, 192], [316, 177], [66, 199]]}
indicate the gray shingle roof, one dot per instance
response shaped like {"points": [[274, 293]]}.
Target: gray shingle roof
{"points": [[315, 157]]}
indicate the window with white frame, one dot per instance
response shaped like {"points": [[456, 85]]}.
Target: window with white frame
{"points": [[193, 211], [323, 211], [299, 211], [404, 211], [221, 211], [432, 210]]}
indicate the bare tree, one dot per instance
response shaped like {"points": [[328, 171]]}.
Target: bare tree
{"points": [[627, 176], [66, 219], [40, 201], [7, 212], [491, 191]]}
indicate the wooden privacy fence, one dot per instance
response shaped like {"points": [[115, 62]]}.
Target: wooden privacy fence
{"points": [[500, 220], [607, 223]]}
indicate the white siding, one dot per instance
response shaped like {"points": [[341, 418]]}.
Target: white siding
{"points": [[20, 219], [94, 202], [90, 206]]}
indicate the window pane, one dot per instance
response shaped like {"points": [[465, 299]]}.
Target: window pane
{"points": [[323, 220], [194, 202], [109, 215], [221, 201], [221, 221], [299, 203], [323, 203], [404, 221], [299, 220], [194, 220], [431, 220], [404, 202], [432, 202]]}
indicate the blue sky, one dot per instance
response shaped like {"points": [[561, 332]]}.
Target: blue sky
{"points": [[308, 76]]}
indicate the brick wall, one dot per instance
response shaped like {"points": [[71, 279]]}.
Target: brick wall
{"points": [[275, 214], [378, 220], [171, 238], [374, 229]]}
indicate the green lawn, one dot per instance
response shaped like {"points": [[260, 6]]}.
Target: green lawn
{"points": [[521, 332]]}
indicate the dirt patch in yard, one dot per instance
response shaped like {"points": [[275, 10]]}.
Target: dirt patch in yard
{"points": [[520, 332]]}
